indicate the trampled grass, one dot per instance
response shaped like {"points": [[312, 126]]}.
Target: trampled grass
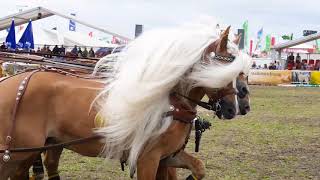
{"points": [[278, 139]]}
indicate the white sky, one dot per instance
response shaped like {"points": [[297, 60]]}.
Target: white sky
{"points": [[277, 17]]}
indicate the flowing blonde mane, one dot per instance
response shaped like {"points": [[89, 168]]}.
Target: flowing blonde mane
{"points": [[145, 73]]}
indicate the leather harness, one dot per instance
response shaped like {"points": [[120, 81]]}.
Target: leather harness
{"points": [[179, 110]]}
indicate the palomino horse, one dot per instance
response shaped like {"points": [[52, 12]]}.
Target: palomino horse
{"points": [[52, 156], [57, 109], [187, 161]]}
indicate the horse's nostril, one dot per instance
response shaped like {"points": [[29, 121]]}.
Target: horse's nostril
{"points": [[245, 90], [247, 108]]}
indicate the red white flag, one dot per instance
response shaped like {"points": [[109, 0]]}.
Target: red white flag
{"points": [[91, 34], [114, 40]]}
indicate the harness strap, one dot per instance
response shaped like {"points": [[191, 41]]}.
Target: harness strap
{"points": [[21, 90], [54, 146]]}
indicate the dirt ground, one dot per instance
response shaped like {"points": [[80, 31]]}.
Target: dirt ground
{"points": [[278, 139]]}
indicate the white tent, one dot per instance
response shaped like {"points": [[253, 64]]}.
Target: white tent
{"points": [[53, 37]]}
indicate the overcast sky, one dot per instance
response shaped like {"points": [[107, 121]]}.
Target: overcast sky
{"points": [[277, 17]]}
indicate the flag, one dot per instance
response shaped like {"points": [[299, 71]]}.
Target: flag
{"points": [[11, 38], [287, 37], [91, 34], [245, 27], [259, 36], [273, 41], [260, 33], [26, 40], [268, 43], [72, 24], [318, 45], [115, 40]]}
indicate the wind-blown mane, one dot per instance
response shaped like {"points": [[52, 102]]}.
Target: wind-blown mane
{"points": [[136, 97]]}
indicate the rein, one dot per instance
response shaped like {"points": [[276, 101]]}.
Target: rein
{"points": [[205, 105], [58, 145]]}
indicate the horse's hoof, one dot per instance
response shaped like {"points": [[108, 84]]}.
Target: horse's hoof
{"points": [[191, 177]]}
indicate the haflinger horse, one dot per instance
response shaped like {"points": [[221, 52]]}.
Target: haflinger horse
{"points": [[226, 98], [52, 156], [187, 161], [42, 105]]}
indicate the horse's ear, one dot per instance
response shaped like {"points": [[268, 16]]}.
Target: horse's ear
{"points": [[225, 32], [237, 39], [224, 39]]}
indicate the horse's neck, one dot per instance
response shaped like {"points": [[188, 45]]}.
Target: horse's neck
{"points": [[195, 93]]}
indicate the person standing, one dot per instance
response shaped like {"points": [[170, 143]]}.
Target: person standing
{"points": [[254, 65], [55, 50], [91, 53], [3, 46], [298, 62], [74, 51], [85, 52], [62, 50], [290, 61]]}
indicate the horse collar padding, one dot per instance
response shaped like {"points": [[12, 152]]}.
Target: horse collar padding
{"points": [[181, 111]]}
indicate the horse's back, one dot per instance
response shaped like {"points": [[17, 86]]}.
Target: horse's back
{"points": [[49, 100]]}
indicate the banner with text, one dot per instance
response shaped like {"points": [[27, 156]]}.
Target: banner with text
{"points": [[277, 77], [269, 77]]}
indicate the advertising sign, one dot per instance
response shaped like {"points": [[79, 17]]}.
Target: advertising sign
{"points": [[315, 78], [270, 77]]}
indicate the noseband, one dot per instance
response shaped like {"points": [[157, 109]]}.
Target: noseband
{"points": [[214, 101]]}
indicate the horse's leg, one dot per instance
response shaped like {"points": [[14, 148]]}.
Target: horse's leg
{"points": [[166, 173], [37, 168], [168, 143], [172, 173], [147, 165], [187, 161], [162, 173], [21, 172], [51, 162]]}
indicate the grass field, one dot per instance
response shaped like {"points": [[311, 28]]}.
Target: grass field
{"points": [[278, 139]]}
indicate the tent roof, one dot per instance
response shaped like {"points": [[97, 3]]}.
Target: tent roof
{"points": [[40, 13], [24, 17], [302, 46], [54, 37], [296, 42]]}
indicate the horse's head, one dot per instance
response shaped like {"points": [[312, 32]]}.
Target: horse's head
{"points": [[243, 94], [225, 99], [230, 100]]}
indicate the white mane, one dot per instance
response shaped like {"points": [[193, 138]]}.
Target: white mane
{"points": [[138, 94]]}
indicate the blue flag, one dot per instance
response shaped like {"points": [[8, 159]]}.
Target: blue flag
{"points": [[26, 40], [11, 38], [260, 33], [72, 24]]}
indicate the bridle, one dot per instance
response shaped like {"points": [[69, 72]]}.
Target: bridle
{"points": [[214, 102]]}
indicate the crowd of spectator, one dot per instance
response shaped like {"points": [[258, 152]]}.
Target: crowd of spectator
{"points": [[292, 63], [295, 63], [46, 51], [77, 51], [272, 66]]}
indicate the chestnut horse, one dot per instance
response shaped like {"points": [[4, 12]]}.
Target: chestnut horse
{"points": [[60, 108], [52, 157]]}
